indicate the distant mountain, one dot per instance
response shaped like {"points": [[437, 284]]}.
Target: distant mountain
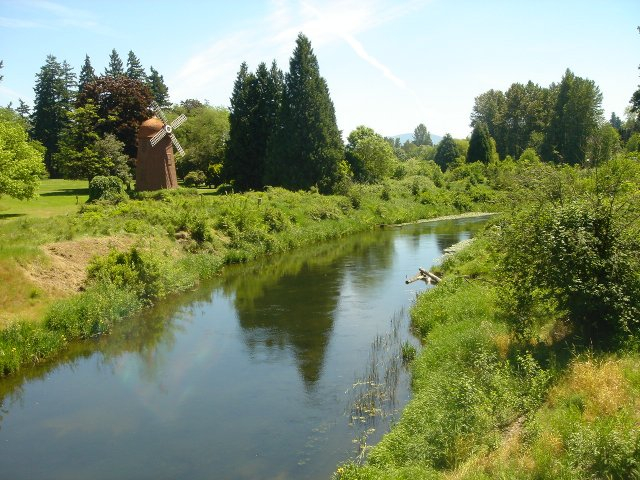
{"points": [[409, 136]]}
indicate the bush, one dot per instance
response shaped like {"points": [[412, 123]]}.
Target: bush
{"points": [[129, 271], [194, 178], [579, 255], [107, 189]]}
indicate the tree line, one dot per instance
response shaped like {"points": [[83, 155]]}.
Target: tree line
{"points": [[281, 130]]}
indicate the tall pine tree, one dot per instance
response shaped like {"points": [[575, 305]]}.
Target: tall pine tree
{"points": [[115, 68], [158, 88], [134, 68], [87, 74], [254, 107], [306, 148], [52, 103]]}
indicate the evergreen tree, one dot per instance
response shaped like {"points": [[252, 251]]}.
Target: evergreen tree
{"points": [[134, 68], [254, 107], [115, 67], [421, 136], [306, 148], [23, 109], [635, 98], [87, 74], [51, 106], [446, 152], [480, 148], [159, 90]]}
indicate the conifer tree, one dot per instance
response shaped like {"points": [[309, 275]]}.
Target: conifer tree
{"points": [[87, 74], [306, 148], [254, 106], [480, 144], [134, 68], [159, 90], [115, 67], [52, 102]]}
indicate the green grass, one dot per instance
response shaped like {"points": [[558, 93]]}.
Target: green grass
{"points": [[55, 197]]}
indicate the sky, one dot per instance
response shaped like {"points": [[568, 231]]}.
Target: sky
{"points": [[389, 64]]}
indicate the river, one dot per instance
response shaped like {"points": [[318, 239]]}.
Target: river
{"points": [[280, 369]]}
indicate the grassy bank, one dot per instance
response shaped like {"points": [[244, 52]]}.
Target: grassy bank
{"points": [[127, 255], [489, 405]]}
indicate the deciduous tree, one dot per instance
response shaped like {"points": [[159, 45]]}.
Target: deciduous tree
{"points": [[421, 135], [447, 152], [122, 104], [21, 162]]}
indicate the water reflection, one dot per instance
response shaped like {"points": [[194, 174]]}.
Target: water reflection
{"points": [[288, 303]]}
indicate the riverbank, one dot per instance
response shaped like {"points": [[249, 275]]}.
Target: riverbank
{"points": [[487, 405], [74, 276]]}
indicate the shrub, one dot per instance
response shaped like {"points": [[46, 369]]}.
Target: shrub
{"points": [[106, 189], [129, 271], [194, 178]]}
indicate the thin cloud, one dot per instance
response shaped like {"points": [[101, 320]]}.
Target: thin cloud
{"points": [[50, 15], [271, 38]]}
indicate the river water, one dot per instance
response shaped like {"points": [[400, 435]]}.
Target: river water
{"points": [[281, 369]]}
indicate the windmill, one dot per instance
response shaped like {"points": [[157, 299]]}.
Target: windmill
{"points": [[167, 129], [155, 164]]}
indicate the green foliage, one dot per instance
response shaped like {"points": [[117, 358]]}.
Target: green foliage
{"points": [[204, 136], [53, 101], [194, 178], [370, 157], [579, 254], [480, 148], [421, 136], [87, 74], [255, 102], [447, 152], [92, 313], [122, 104], [21, 162], [106, 189], [135, 70], [131, 271], [159, 90], [115, 67], [575, 117], [306, 148]]}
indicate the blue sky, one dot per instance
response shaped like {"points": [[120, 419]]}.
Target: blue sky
{"points": [[389, 64]]}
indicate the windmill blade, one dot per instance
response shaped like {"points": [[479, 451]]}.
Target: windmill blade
{"points": [[175, 142], [179, 121], [158, 136], [159, 112]]}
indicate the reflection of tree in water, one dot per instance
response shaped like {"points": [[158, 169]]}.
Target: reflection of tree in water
{"points": [[288, 302], [445, 240]]}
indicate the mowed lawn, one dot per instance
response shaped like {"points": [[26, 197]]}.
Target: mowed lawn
{"points": [[55, 197]]}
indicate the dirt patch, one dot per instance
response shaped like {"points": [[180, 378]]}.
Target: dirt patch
{"points": [[64, 269]]}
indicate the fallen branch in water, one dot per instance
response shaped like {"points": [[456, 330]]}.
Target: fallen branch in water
{"points": [[425, 275]]}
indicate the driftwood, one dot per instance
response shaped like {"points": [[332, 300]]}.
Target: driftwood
{"points": [[425, 275]]}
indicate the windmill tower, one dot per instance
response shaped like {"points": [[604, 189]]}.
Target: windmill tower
{"points": [[155, 165]]}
